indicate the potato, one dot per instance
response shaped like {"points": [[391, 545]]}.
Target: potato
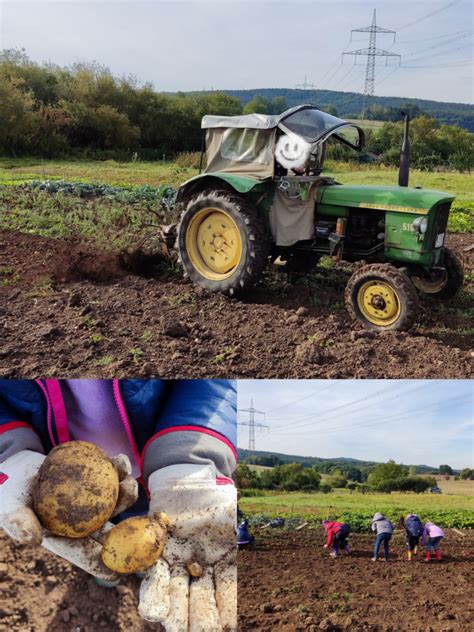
{"points": [[76, 489], [135, 544]]}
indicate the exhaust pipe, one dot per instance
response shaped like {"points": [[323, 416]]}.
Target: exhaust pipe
{"points": [[341, 226], [404, 170]]}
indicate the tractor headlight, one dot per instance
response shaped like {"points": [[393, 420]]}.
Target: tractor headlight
{"points": [[421, 224]]}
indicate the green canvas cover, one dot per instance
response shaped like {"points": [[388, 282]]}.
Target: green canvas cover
{"points": [[241, 151], [245, 144]]}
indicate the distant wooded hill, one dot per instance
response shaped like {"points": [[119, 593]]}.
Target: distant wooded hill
{"points": [[276, 458], [350, 104]]}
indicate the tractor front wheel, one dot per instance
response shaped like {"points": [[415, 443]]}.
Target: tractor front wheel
{"points": [[445, 283], [222, 242], [382, 298]]}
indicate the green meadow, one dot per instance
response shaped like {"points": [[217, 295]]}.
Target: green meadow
{"points": [[448, 509]]}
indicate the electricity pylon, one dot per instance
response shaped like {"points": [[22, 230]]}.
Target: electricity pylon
{"points": [[305, 85], [372, 52], [251, 423]]}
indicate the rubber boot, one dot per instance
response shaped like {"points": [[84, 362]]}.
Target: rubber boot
{"points": [[438, 555], [347, 549], [333, 553], [409, 556], [415, 551], [428, 556]]}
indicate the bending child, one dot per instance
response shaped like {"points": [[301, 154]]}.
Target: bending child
{"points": [[432, 536], [413, 529], [384, 529], [337, 533]]}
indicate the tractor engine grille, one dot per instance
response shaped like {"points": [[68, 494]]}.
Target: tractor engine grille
{"points": [[441, 221]]}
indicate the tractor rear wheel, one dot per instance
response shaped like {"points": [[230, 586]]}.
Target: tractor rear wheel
{"points": [[223, 243], [382, 298], [445, 284]]}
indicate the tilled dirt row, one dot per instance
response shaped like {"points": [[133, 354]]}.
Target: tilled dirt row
{"points": [[73, 311], [290, 584]]}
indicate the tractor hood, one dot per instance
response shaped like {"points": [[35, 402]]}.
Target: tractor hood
{"points": [[386, 198]]}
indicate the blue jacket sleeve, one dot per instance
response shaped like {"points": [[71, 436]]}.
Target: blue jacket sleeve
{"points": [[198, 425], [210, 404], [17, 430]]}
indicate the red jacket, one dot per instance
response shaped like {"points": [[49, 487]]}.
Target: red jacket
{"points": [[332, 528]]}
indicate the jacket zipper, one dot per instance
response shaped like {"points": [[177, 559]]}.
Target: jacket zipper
{"points": [[49, 411], [126, 424]]}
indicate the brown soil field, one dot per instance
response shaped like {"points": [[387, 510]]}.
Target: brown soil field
{"points": [[67, 309], [41, 592], [290, 584]]}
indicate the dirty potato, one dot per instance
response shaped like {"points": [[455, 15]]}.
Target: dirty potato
{"points": [[135, 544], [76, 489]]}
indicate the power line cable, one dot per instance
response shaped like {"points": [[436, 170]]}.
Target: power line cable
{"points": [[442, 53], [435, 37], [396, 416], [300, 399], [344, 77], [428, 15], [466, 62], [438, 45], [361, 424], [387, 76], [294, 421], [339, 65], [358, 410], [299, 423]]}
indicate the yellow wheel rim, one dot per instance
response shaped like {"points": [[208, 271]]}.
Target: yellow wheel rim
{"points": [[430, 286], [214, 244], [379, 303]]}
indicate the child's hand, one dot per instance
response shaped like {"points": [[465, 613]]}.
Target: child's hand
{"points": [[194, 585], [325, 546], [17, 518]]}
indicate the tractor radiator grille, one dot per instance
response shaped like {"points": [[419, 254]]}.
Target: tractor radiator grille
{"points": [[441, 221]]}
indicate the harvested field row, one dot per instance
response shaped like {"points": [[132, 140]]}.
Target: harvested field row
{"points": [[71, 310]]}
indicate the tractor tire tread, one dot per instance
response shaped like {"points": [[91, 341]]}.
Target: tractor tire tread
{"points": [[256, 235], [403, 285], [455, 272]]}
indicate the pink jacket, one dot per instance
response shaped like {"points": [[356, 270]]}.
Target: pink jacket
{"points": [[432, 531]]}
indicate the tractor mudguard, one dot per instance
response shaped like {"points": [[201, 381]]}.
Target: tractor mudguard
{"points": [[241, 184]]}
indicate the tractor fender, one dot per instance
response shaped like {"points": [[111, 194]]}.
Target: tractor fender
{"points": [[241, 184]]}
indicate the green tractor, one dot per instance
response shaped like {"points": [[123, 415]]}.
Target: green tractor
{"points": [[251, 206]]}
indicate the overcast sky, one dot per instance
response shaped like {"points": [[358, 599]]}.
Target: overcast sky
{"points": [[427, 422], [191, 45]]}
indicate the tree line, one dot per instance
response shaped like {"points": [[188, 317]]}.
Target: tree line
{"points": [[290, 477], [357, 105], [52, 111]]}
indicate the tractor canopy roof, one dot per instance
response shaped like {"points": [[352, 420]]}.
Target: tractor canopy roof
{"points": [[246, 144]]}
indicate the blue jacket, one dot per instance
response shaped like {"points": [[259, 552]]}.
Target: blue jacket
{"points": [[167, 422]]}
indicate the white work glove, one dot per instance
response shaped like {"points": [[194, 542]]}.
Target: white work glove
{"points": [[19, 521], [201, 541]]}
